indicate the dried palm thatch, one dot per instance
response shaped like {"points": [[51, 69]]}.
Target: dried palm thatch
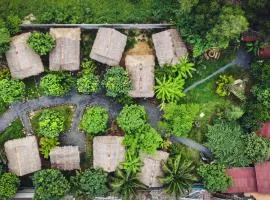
{"points": [[109, 46], [65, 158], [169, 47], [151, 169], [23, 156], [23, 62], [66, 54], [108, 152], [141, 71]]}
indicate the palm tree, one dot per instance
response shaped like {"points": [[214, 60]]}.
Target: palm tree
{"points": [[178, 175], [184, 68]]}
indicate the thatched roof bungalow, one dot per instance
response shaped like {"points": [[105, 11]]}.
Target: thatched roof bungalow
{"points": [[108, 46], [65, 158], [108, 152], [141, 72], [66, 54], [23, 156], [22, 61], [169, 47]]}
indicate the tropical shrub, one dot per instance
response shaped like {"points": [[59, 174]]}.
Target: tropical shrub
{"points": [[4, 38], [214, 177], [56, 84], [253, 47], [233, 113], [132, 163], [116, 82], [9, 184], [88, 67], [50, 123], [13, 23], [126, 184], [223, 85], [11, 90], [262, 95], [50, 184], [178, 175], [89, 184], [260, 71], [94, 120], [41, 43], [131, 118], [88, 84], [4, 73], [184, 68], [46, 145]]}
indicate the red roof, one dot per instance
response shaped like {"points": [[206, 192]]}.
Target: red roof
{"points": [[263, 177], [265, 130], [244, 180]]}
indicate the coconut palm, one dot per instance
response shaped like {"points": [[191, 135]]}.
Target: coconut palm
{"points": [[178, 175]]}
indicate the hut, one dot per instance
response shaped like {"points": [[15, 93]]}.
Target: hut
{"points": [[108, 152], [108, 46], [65, 158], [169, 47], [141, 72], [22, 61], [265, 130], [23, 156], [151, 169], [66, 54]]}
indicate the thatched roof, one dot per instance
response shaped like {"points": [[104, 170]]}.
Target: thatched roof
{"points": [[108, 152], [23, 62], [141, 72], [23, 156], [169, 47], [65, 158], [109, 46], [66, 54], [151, 169]]}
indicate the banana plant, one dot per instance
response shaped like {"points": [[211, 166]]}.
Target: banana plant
{"points": [[184, 68]]}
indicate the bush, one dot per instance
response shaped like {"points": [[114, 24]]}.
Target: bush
{"points": [[4, 73], [89, 184], [262, 95], [223, 85], [88, 67], [41, 43], [131, 118], [116, 82], [4, 38], [88, 84], [233, 113], [11, 90], [9, 184], [56, 84], [46, 144], [50, 184], [13, 23], [214, 177], [94, 120], [184, 68], [260, 71]]}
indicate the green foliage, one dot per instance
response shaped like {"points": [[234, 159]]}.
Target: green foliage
{"points": [[4, 38], [88, 84], [257, 149], [169, 89], [261, 72], [253, 47], [131, 118], [223, 85], [262, 95], [233, 113], [11, 90], [132, 163], [178, 175], [214, 177], [13, 23], [50, 184], [94, 121], [88, 67], [116, 82], [3, 106], [126, 184], [46, 144], [228, 144], [184, 68], [9, 184], [41, 43], [4, 73], [89, 184], [50, 123], [56, 84]]}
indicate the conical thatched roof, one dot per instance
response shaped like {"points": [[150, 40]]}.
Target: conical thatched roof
{"points": [[169, 47], [65, 158], [66, 54], [108, 152], [141, 72], [22, 61], [23, 156], [151, 169], [109, 46]]}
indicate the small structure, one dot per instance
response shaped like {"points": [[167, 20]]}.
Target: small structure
{"points": [[263, 177], [169, 47], [23, 156], [65, 158], [66, 54], [108, 152], [108, 46], [265, 130], [141, 71], [23, 62], [151, 169]]}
